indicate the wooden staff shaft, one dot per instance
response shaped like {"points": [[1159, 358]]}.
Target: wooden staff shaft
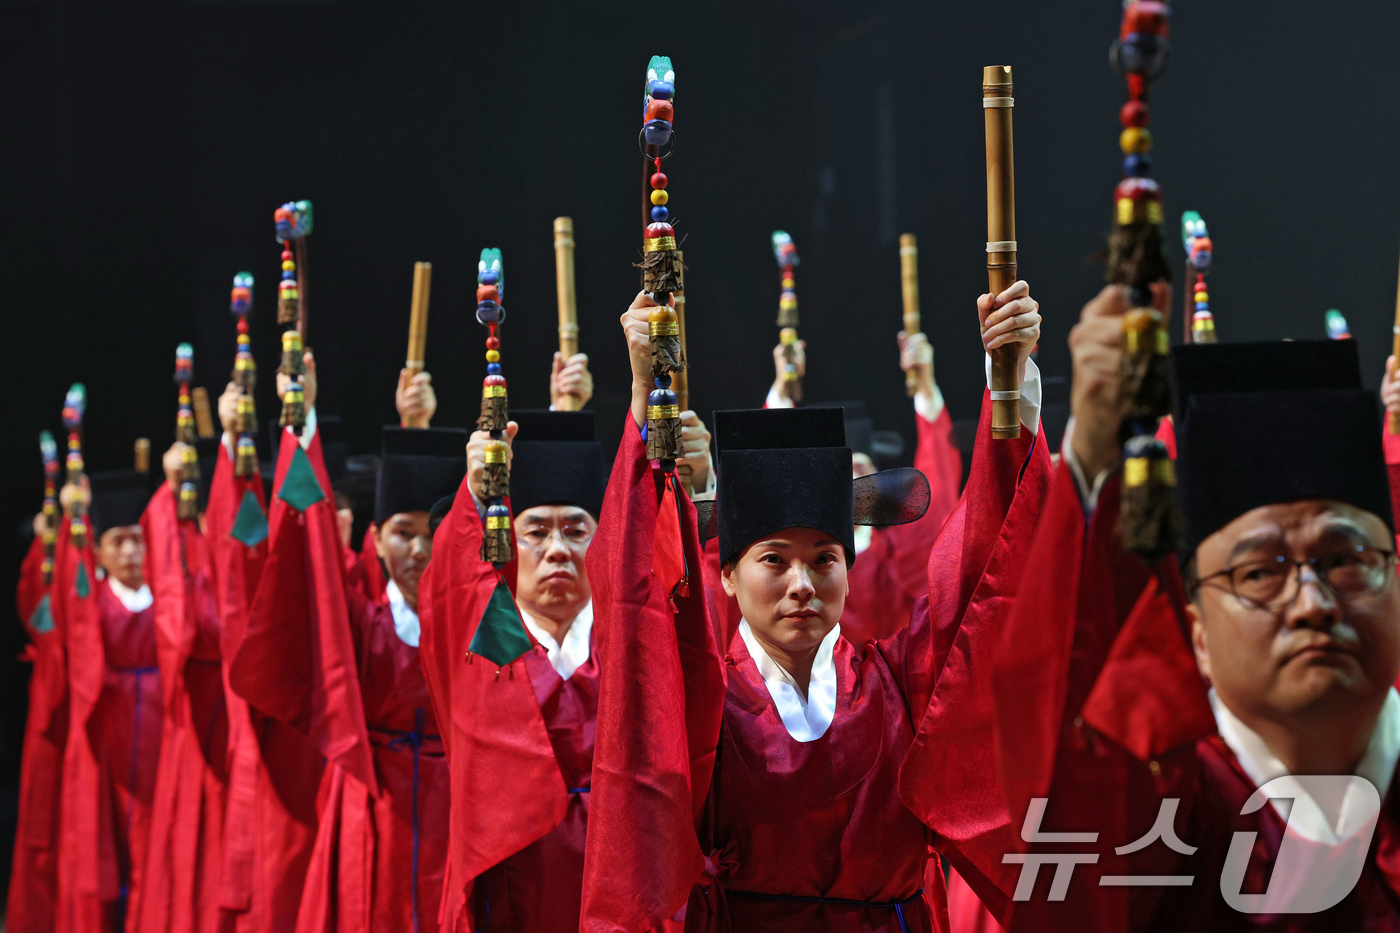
{"points": [[303, 286], [203, 414], [1001, 238], [568, 299], [418, 318], [1393, 419], [909, 283], [680, 382], [142, 455]]}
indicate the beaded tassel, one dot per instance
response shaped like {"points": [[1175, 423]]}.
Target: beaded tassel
{"points": [[1337, 328], [74, 406], [293, 223], [786, 253], [661, 268], [187, 508], [49, 451], [1199, 248], [498, 540], [245, 376], [1149, 522]]}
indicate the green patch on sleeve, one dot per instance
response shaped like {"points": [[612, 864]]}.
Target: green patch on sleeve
{"points": [[501, 638], [250, 526], [300, 488]]}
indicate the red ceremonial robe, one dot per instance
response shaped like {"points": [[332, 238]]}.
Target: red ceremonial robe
{"points": [[113, 747], [34, 869], [380, 852], [1121, 723], [184, 861], [708, 809], [275, 772], [520, 751]]}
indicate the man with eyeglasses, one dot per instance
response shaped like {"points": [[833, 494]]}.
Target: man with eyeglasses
{"points": [[1151, 707], [519, 730]]}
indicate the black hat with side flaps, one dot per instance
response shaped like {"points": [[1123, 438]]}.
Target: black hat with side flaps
{"points": [[119, 499], [418, 466], [786, 468], [1263, 423], [556, 460]]}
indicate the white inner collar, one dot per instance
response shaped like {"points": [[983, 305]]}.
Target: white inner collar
{"points": [[806, 718], [134, 600], [573, 653], [406, 624], [1309, 819]]}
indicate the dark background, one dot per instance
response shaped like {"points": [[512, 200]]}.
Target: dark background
{"points": [[144, 146]]}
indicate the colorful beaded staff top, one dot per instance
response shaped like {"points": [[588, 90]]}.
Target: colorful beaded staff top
{"points": [[1196, 238], [187, 507], [1337, 328], [661, 265], [786, 254], [293, 223], [245, 377], [1149, 521], [49, 451], [74, 407], [498, 541]]}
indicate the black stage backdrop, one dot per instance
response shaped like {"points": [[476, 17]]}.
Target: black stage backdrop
{"points": [[145, 146]]}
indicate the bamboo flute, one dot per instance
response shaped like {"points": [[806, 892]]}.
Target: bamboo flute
{"points": [[142, 455], [203, 414], [418, 318], [997, 103], [568, 298], [909, 284]]}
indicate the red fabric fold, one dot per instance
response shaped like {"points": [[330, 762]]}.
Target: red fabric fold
{"points": [[507, 789], [659, 711], [33, 889], [296, 661]]}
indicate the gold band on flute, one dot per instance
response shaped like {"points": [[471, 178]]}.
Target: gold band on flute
{"points": [[997, 103], [1393, 418], [568, 298], [418, 318], [909, 283], [680, 382], [142, 451]]}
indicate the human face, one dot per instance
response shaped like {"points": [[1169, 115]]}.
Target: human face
{"points": [[551, 579], [1320, 655], [791, 588], [403, 543], [121, 552]]}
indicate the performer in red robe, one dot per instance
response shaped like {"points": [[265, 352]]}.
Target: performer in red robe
{"points": [[1290, 612], [516, 676], [184, 860], [115, 710], [275, 772], [753, 785], [885, 586], [34, 867]]}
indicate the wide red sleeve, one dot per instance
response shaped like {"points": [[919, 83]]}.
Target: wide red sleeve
{"points": [[1093, 678], [32, 588], [297, 660], [938, 458], [506, 786], [950, 778], [660, 702], [174, 550]]}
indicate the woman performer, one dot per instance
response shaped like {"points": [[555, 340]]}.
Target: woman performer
{"points": [[753, 785]]}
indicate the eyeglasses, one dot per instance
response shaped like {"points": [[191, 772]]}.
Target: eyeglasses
{"points": [[1274, 583]]}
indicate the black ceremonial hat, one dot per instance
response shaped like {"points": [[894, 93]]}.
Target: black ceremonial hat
{"points": [[119, 497], [556, 460], [785, 468], [1259, 424], [418, 466]]}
